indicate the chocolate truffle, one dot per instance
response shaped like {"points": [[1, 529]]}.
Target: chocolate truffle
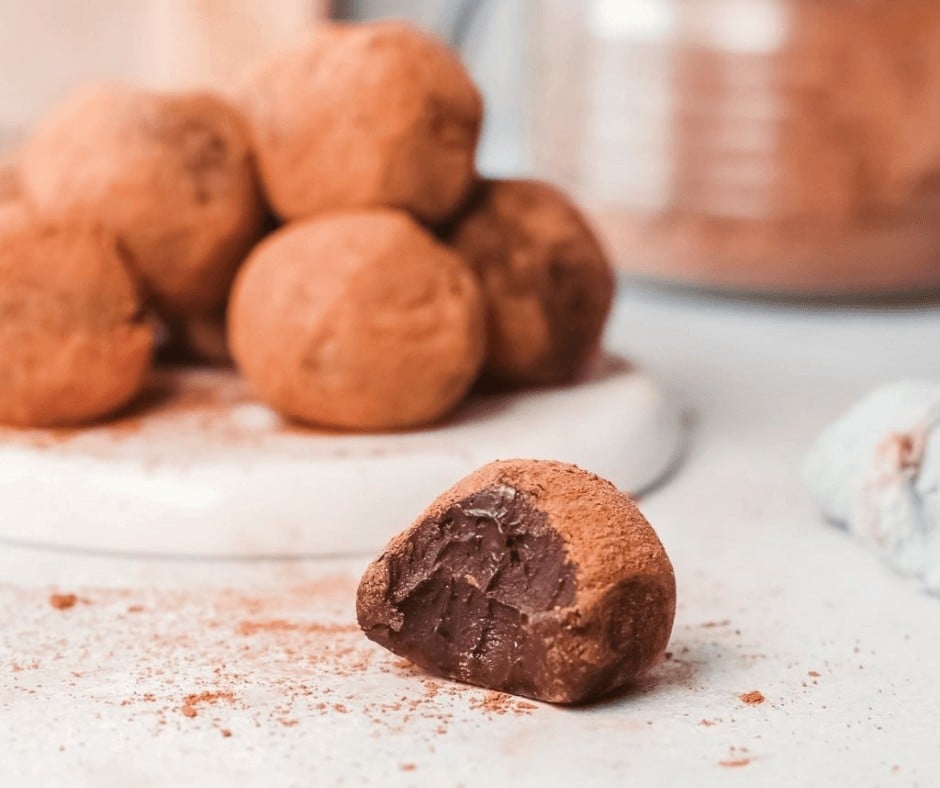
{"points": [[546, 280], [13, 214], [364, 116], [10, 188], [172, 175], [359, 320], [74, 342], [530, 577], [13, 207]]}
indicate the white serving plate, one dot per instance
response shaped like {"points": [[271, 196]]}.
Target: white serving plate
{"points": [[201, 469]]}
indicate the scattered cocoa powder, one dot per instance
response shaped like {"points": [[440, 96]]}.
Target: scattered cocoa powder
{"points": [[63, 601], [712, 624], [735, 762], [815, 674], [257, 654], [281, 625], [500, 703], [407, 767], [753, 697], [190, 702]]}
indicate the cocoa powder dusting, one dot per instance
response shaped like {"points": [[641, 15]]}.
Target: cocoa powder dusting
{"points": [[280, 625], [261, 659], [63, 601], [500, 703], [752, 698], [192, 701]]}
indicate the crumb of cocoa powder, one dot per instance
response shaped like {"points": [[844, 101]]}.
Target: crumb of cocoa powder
{"points": [[340, 708], [281, 625], [62, 601], [753, 697], [135, 609], [815, 674], [735, 762], [191, 701], [226, 733], [501, 703], [495, 702], [407, 767], [712, 624], [707, 723]]}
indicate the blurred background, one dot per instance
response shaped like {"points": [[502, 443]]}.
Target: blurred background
{"points": [[753, 146]]}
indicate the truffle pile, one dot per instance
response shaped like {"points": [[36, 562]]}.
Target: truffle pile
{"points": [[324, 227]]}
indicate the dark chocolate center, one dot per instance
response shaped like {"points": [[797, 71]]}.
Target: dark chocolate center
{"points": [[470, 584]]}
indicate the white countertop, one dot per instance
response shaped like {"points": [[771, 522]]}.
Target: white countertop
{"points": [[768, 594]]}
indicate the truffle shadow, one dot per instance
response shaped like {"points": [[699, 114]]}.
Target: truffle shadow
{"points": [[489, 399], [685, 670]]}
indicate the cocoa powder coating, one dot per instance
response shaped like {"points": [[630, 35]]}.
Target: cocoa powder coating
{"points": [[10, 187], [171, 175], [362, 116], [74, 344], [359, 320], [14, 214], [14, 209], [530, 577], [547, 282]]}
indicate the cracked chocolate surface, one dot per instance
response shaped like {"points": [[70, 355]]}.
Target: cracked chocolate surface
{"points": [[470, 585]]}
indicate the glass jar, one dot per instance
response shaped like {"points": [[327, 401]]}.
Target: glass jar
{"points": [[49, 47], [788, 146]]}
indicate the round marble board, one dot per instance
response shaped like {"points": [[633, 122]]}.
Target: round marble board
{"points": [[198, 468]]}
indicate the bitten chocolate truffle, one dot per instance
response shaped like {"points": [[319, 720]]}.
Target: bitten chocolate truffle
{"points": [[530, 577], [365, 115], [171, 175], [546, 280], [359, 321], [74, 342]]}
